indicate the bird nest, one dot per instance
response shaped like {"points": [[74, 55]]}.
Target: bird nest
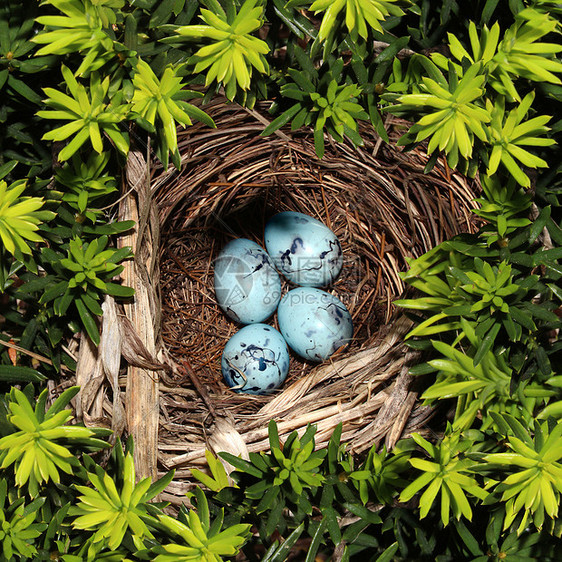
{"points": [[383, 208]]}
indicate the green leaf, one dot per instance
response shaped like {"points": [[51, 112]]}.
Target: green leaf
{"points": [[15, 374], [518, 429], [131, 34], [332, 525], [92, 304], [414, 487], [241, 464], [316, 541], [273, 434], [159, 486], [468, 539], [162, 14], [119, 291], [63, 400], [392, 50], [553, 409], [24, 90], [486, 344], [319, 142], [6, 168], [522, 318], [282, 120], [88, 322], [421, 369], [280, 554], [543, 256], [364, 513], [539, 224], [274, 517], [111, 228], [541, 312], [268, 499], [302, 81], [388, 554], [488, 10], [305, 62]]}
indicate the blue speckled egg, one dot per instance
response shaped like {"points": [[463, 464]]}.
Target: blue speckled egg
{"points": [[247, 286], [303, 249], [314, 323], [255, 359]]}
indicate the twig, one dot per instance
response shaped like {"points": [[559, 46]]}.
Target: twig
{"points": [[186, 370], [263, 120], [33, 355]]}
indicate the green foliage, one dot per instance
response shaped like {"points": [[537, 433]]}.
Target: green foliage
{"points": [[295, 476], [482, 388], [15, 59], [18, 526], [21, 74], [546, 6], [203, 540], [508, 135], [323, 102], [19, 374], [91, 514], [492, 67], [488, 313], [35, 449], [382, 474], [289, 474], [20, 217], [461, 511], [492, 316], [519, 54], [486, 305], [233, 52], [502, 206], [534, 482], [162, 99], [94, 513], [447, 473], [83, 277], [459, 288], [218, 479], [112, 512], [292, 468], [451, 118], [491, 285], [496, 546], [86, 181], [89, 114], [85, 27], [359, 15]]}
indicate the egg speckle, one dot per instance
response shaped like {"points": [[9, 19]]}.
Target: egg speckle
{"points": [[314, 323], [255, 360], [247, 286], [303, 249]]}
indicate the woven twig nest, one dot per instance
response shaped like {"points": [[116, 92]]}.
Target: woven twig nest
{"points": [[382, 207]]}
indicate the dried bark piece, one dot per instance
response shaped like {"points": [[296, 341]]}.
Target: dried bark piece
{"points": [[141, 402], [89, 377], [110, 354]]}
